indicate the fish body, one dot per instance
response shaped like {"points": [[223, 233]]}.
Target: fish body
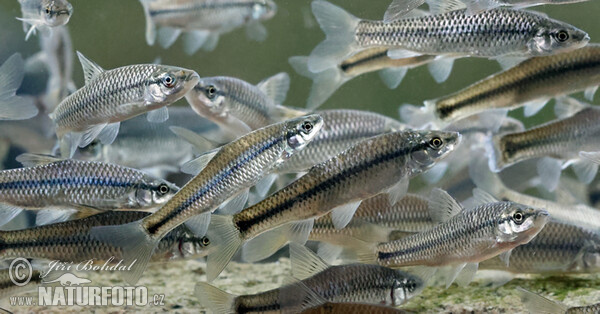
{"points": [[490, 34], [44, 14], [326, 82], [558, 248], [70, 241], [143, 145], [536, 303], [351, 308], [112, 96], [470, 236], [319, 283], [240, 106], [72, 184], [372, 166], [532, 82], [204, 20], [57, 51], [230, 169], [9, 289]]}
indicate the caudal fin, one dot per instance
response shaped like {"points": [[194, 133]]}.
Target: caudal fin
{"points": [[538, 304], [419, 117], [325, 83], [339, 27], [150, 27], [215, 299], [484, 178], [13, 107], [226, 240], [135, 243]]}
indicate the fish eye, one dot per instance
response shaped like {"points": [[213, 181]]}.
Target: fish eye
{"points": [[48, 10], [307, 126], [163, 189], [168, 81], [205, 241], [211, 91], [411, 285], [562, 36], [518, 217], [436, 142]]}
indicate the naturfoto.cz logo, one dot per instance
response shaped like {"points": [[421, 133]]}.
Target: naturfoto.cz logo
{"points": [[69, 289]]}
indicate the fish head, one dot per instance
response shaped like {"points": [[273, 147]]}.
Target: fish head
{"points": [[518, 224], [152, 192], [93, 151], [263, 10], [192, 246], [554, 36], [168, 84], [300, 131], [404, 287], [208, 99], [432, 146], [55, 12]]}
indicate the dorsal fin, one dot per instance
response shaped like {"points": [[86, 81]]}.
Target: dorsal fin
{"points": [[442, 206], [305, 263], [276, 87], [481, 197], [32, 160], [90, 68], [443, 6]]}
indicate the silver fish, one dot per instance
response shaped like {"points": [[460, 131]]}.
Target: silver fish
{"points": [[537, 304], [70, 241], [52, 184], [13, 107], [558, 248], [8, 287], [150, 146], [44, 14], [531, 83], [347, 283], [203, 21], [557, 142], [227, 172], [455, 33], [239, 106], [465, 236], [109, 97], [57, 52], [326, 82], [338, 185]]}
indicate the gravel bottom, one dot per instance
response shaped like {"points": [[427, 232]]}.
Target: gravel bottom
{"points": [[177, 280]]}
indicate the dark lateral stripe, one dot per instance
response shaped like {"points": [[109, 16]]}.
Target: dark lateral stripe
{"points": [[213, 183], [443, 239], [245, 225], [553, 71], [67, 182], [199, 7], [347, 66]]}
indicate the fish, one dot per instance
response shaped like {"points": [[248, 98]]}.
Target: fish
{"points": [[375, 221], [400, 7], [536, 303], [43, 15], [530, 84], [227, 174], [70, 241], [559, 248], [514, 33], [111, 96], [151, 147], [577, 214], [464, 237], [318, 281], [351, 308], [56, 188], [9, 289], [391, 71], [57, 53], [13, 107], [379, 164], [240, 106], [203, 21], [558, 143]]}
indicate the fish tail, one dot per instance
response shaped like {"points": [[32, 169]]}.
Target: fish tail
{"points": [[420, 117], [366, 254], [150, 27], [492, 151], [225, 239], [339, 27], [14, 107], [136, 245], [538, 304], [325, 82], [484, 178], [217, 300]]}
